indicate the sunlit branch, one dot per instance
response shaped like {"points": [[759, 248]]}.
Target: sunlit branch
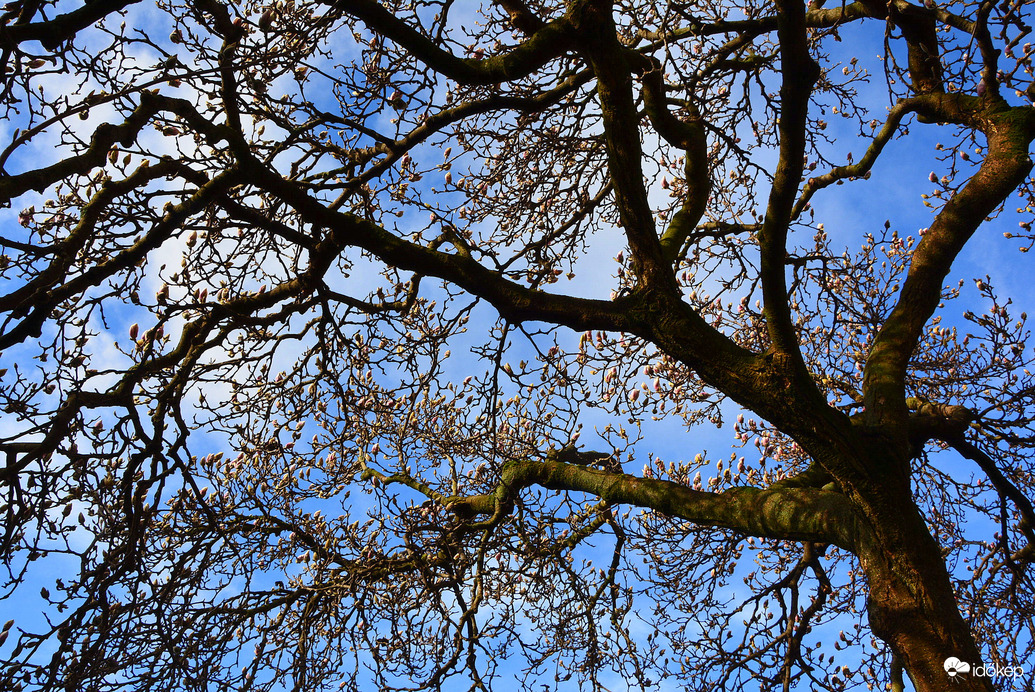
{"points": [[1004, 167], [785, 512], [857, 170]]}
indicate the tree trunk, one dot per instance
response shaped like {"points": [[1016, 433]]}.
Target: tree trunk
{"points": [[924, 637], [912, 606]]}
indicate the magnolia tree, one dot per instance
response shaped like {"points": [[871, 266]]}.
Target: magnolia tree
{"points": [[318, 371]]}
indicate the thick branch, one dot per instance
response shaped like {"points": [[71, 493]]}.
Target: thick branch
{"points": [[549, 42], [919, 29], [801, 514], [799, 73], [103, 138], [521, 17], [931, 421], [514, 302], [1009, 133], [52, 33], [598, 42]]}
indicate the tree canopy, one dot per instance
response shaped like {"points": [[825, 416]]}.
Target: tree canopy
{"points": [[383, 344]]}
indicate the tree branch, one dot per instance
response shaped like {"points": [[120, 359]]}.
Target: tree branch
{"points": [[514, 302], [799, 73], [1009, 132], [691, 138], [52, 33], [860, 169], [1002, 484], [598, 42], [548, 42], [788, 513]]}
